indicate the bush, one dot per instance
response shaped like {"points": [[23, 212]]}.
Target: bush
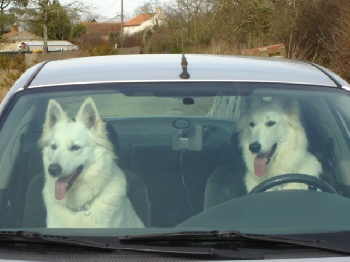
{"points": [[5, 62], [9, 80], [102, 50], [18, 63]]}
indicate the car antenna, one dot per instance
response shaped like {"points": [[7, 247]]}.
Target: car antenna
{"points": [[184, 74]]}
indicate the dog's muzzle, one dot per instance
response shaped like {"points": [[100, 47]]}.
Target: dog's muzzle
{"points": [[255, 147], [63, 184], [263, 159], [55, 170]]}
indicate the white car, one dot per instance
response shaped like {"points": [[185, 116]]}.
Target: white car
{"points": [[225, 157]]}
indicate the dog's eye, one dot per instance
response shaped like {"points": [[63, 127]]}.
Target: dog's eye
{"points": [[251, 124], [74, 148], [53, 147], [270, 123]]}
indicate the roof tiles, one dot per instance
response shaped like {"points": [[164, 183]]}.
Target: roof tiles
{"points": [[138, 20]]}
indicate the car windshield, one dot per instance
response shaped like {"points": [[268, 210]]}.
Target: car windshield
{"points": [[143, 158]]}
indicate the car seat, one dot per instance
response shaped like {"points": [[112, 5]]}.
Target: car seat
{"points": [[227, 181]]}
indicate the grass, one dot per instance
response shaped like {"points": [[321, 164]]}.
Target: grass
{"points": [[4, 83], [3, 93]]}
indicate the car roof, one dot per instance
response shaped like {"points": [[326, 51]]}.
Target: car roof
{"points": [[167, 67]]}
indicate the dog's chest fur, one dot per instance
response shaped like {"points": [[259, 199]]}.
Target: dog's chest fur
{"points": [[110, 209]]}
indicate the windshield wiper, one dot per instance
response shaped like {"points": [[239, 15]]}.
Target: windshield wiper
{"points": [[192, 244], [36, 237], [253, 240], [114, 244]]}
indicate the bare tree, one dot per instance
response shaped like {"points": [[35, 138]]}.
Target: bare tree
{"points": [[147, 8]]}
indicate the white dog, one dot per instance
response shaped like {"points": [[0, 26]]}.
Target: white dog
{"points": [[84, 188], [274, 142]]}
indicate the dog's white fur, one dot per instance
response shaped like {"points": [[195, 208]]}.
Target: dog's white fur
{"points": [[100, 188], [272, 121]]}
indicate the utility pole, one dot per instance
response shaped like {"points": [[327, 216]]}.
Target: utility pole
{"points": [[121, 26]]}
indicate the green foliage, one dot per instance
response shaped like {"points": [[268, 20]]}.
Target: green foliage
{"points": [[59, 27], [6, 20], [78, 30], [58, 21]]}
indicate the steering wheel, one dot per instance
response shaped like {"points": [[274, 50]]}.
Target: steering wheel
{"points": [[313, 182]]}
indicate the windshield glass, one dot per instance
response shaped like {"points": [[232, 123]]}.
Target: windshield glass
{"points": [[168, 157]]}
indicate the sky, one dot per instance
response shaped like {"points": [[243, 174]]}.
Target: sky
{"points": [[112, 8]]}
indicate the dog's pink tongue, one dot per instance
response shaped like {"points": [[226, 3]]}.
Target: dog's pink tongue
{"points": [[61, 187], [260, 164]]}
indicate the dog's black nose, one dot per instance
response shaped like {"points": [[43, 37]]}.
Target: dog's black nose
{"points": [[55, 169], [255, 147]]}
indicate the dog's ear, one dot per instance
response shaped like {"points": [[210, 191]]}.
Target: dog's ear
{"points": [[292, 107], [253, 102], [54, 114], [88, 113]]}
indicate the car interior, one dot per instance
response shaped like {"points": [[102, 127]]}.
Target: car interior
{"points": [[167, 184]]}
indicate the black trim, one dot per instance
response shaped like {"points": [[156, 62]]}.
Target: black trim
{"points": [[340, 86], [31, 79]]}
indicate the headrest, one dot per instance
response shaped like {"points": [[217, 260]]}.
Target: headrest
{"points": [[113, 136]]}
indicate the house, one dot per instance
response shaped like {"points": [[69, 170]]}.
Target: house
{"points": [[12, 40], [15, 35], [143, 22], [53, 45], [17, 40]]}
